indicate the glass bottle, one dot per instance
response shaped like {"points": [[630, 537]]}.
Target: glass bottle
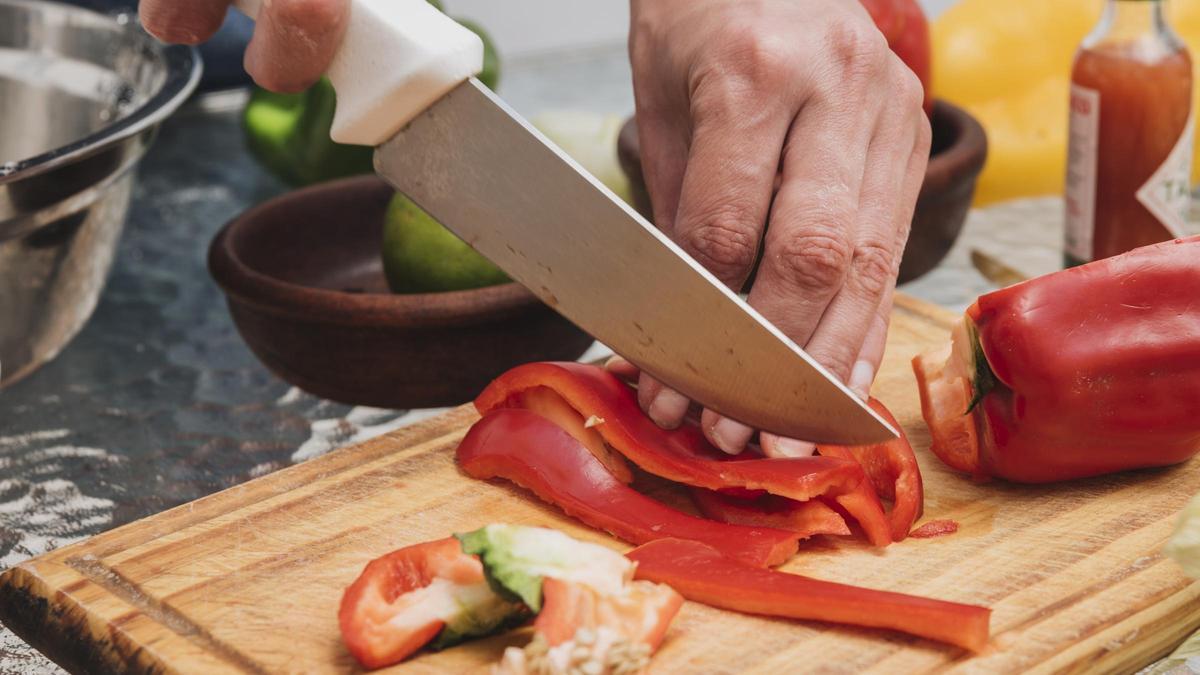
{"points": [[1130, 149]]}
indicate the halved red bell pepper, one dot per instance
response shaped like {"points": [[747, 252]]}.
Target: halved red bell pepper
{"points": [[533, 452], [893, 472], [804, 518], [703, 574], [1085, 371], [681, 455]]}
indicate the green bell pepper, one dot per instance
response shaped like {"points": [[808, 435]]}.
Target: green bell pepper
{"points": [[289, 133]]}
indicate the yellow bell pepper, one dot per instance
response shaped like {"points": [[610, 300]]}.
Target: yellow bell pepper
{"points": [[1009, 64]]}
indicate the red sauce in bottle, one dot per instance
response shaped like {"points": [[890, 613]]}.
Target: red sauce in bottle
{"points": [[1129, 166]]}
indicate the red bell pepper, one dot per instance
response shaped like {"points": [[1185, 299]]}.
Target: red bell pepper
{"points": [[533, 452], [681, 455], [893, 472], [1086, 371], [703, 574], [804, 518]]}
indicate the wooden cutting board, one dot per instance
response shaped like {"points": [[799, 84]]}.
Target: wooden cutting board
{"points": [[249, 579]]}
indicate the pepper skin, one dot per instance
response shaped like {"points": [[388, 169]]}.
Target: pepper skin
{"points": [[804, 518], [703, 574], [681, 455], [1086, 371], [538, 455], [893, 472]]}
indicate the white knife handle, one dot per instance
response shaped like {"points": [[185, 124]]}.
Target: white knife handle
{"points": [[396, 59]]}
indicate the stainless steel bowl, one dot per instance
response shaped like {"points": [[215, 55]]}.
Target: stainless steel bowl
{"points": [[81, 98]]}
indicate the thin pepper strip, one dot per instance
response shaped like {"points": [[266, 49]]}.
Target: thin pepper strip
{"points": [[681, 455], [536, 454], [703, 574], [1086, 371], [893, 472], [804, 518]]}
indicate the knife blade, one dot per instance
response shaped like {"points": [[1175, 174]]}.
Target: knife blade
{"points": [[496, 182]]}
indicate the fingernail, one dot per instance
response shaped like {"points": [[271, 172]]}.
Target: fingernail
{"points": [[668, 408], [730, 436], [861, 377], [790, 447]]}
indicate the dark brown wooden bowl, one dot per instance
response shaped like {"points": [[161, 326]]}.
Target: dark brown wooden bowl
{"points": [[304, 281], [957, 155]]}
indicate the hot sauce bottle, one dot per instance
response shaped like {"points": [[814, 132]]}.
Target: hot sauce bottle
{"points": [[1130, 149]]}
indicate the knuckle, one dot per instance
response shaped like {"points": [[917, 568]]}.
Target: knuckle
{"points": [[859, 49], [909, 90], [309, 16], [872, 267], [755, 60], [817, 260], [726, 245]]}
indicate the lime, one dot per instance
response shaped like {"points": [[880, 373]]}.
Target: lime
{"points": [[422, 256]]}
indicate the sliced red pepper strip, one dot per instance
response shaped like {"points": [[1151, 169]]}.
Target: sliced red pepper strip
{"points": [[894, 473], [864, 507], [550, 405], [703, 574], [805, 518], [681, 455], [533, 452]]}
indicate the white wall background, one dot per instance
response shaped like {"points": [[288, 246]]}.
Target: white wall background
{"points": [[532, 27]]}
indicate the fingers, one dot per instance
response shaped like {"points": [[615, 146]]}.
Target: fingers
{"points": [[778, 447], [623, 369], [294, 42], [189, 22], [728, 435], [665, 406], [866, 365], [664, 157], [727, 184], [876, 245], [809, 241]]}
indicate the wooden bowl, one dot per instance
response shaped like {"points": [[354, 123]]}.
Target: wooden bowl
{"points": [[304, 281], [956, 158]]}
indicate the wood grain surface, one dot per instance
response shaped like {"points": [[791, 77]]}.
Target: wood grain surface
{"points": [[248, 580]]}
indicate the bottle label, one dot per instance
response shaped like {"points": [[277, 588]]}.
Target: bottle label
{"points": [[1081, 171], [1168, 193]]}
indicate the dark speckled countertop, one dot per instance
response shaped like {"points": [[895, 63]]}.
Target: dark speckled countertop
{"points": [[158, 402]]}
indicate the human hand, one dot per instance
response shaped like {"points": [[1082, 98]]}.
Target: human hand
{"points": [[294, 40], [786, 126]]}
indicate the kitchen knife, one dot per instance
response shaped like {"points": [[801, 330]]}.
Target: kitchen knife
{"points": [[404, 81]]}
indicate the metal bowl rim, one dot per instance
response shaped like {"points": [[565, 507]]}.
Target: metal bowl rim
{"points": [[183, 69]]}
